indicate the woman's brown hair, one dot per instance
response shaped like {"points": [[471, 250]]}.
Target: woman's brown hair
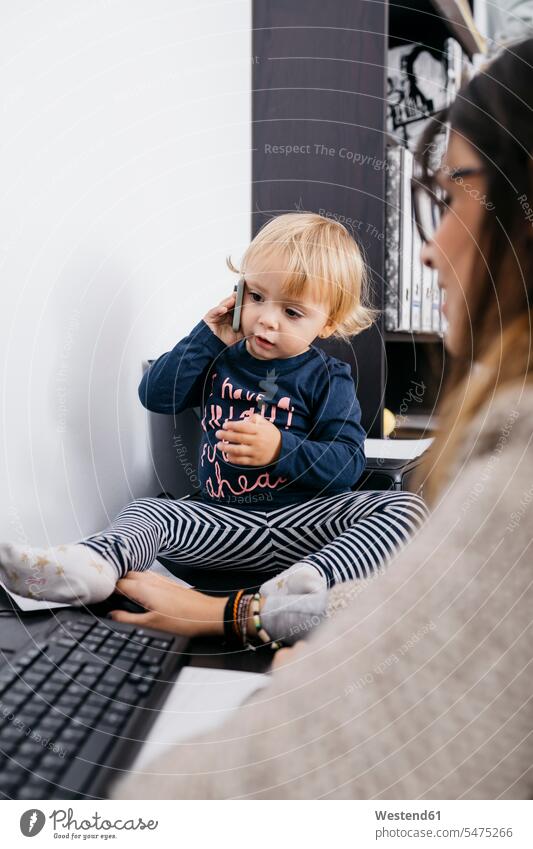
{"points": [[494, 113]]}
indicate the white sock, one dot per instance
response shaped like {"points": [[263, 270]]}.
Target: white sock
{"points": [[71, 573], [298, 579]]}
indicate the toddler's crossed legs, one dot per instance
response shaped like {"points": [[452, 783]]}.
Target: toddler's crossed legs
{"points": [[323, 541]]}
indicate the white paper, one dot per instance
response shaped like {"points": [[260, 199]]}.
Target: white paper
{"points": [[26, 605], [201, 699], [396, 449]]}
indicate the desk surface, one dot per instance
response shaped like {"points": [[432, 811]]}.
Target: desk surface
{"points": [[211, 653]]}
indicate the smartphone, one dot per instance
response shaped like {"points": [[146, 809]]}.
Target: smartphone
{"points": [[239, 290]]}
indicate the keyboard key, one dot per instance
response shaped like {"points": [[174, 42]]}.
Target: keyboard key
{"points": [[89, 713], [127, 694], [27, 754], [55, 655], [151, 656], [35, 789], [11, 778], [51, 767], [51, 688], [70, 669], [91, 645], [152, 671], [78, 628], [85, 764], [33, 710], [113, 720], [107, 690], [144, 687], [79, 656], [71, 734], [34, 678], [67, 642], [107, 652], [161, 644], [35, 651], [50, 724]]}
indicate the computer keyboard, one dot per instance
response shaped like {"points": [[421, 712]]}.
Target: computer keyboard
{"points": [[74, 708]]}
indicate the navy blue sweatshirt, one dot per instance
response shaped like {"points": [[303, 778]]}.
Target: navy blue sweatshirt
{"points": [[310, 398]]}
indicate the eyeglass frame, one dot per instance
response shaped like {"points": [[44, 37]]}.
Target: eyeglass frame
{"points": [[419, 186]]}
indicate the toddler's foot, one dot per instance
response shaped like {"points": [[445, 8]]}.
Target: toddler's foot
{"points": [[67, 573], [298, 579]]}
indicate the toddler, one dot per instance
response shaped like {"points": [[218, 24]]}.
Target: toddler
{"points": [[282, 445]]}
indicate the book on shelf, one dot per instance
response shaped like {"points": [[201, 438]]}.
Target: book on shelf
{"points": [[426, 324], [412, 296], [405, 240], [436, 314], [392, 238], [421, 81], [399, 229], [417, 288]]}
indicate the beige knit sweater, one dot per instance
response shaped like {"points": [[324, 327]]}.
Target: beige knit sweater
{"points": [[421, 685]]}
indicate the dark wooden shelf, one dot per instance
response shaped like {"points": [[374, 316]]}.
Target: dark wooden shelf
{"points": [[430, 22], [319, 87], [406, 336]]}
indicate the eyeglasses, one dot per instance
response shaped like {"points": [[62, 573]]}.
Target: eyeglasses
{"points": [[430, 201]]}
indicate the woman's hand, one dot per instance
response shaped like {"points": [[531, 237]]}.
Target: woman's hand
{"points": [[284, 657], [251, 442], [171, 607], [219, 320]]}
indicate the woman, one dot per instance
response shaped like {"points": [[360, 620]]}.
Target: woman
{"points": [[421, 684]]}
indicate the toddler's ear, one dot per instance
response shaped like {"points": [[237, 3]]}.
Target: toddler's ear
{"points": [[327, 330]]}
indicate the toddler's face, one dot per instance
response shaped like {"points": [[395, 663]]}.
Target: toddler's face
{"points": [[273, 325]]}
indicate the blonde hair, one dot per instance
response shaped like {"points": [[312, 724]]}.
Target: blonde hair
{"points": [[321, 259], [507, 362]]}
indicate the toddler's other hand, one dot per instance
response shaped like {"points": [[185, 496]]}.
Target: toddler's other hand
{"points": [[219, 319]]}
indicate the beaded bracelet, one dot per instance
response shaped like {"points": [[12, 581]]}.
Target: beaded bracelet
{"points": [[259, 629], [242, 617]]}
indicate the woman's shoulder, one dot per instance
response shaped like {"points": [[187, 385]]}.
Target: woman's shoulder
{"points": [[504, 420]]}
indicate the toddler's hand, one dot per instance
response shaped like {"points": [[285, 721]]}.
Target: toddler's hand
{"points": [[219, 319], [252, 442]]}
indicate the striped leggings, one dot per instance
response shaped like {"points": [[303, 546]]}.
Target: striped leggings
{"points": [[343, 536]]}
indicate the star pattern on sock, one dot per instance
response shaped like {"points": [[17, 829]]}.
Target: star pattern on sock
{"points": [[280, 583], [60, 573]]}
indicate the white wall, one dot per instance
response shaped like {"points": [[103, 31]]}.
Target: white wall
{"points": [[124, 183]]}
